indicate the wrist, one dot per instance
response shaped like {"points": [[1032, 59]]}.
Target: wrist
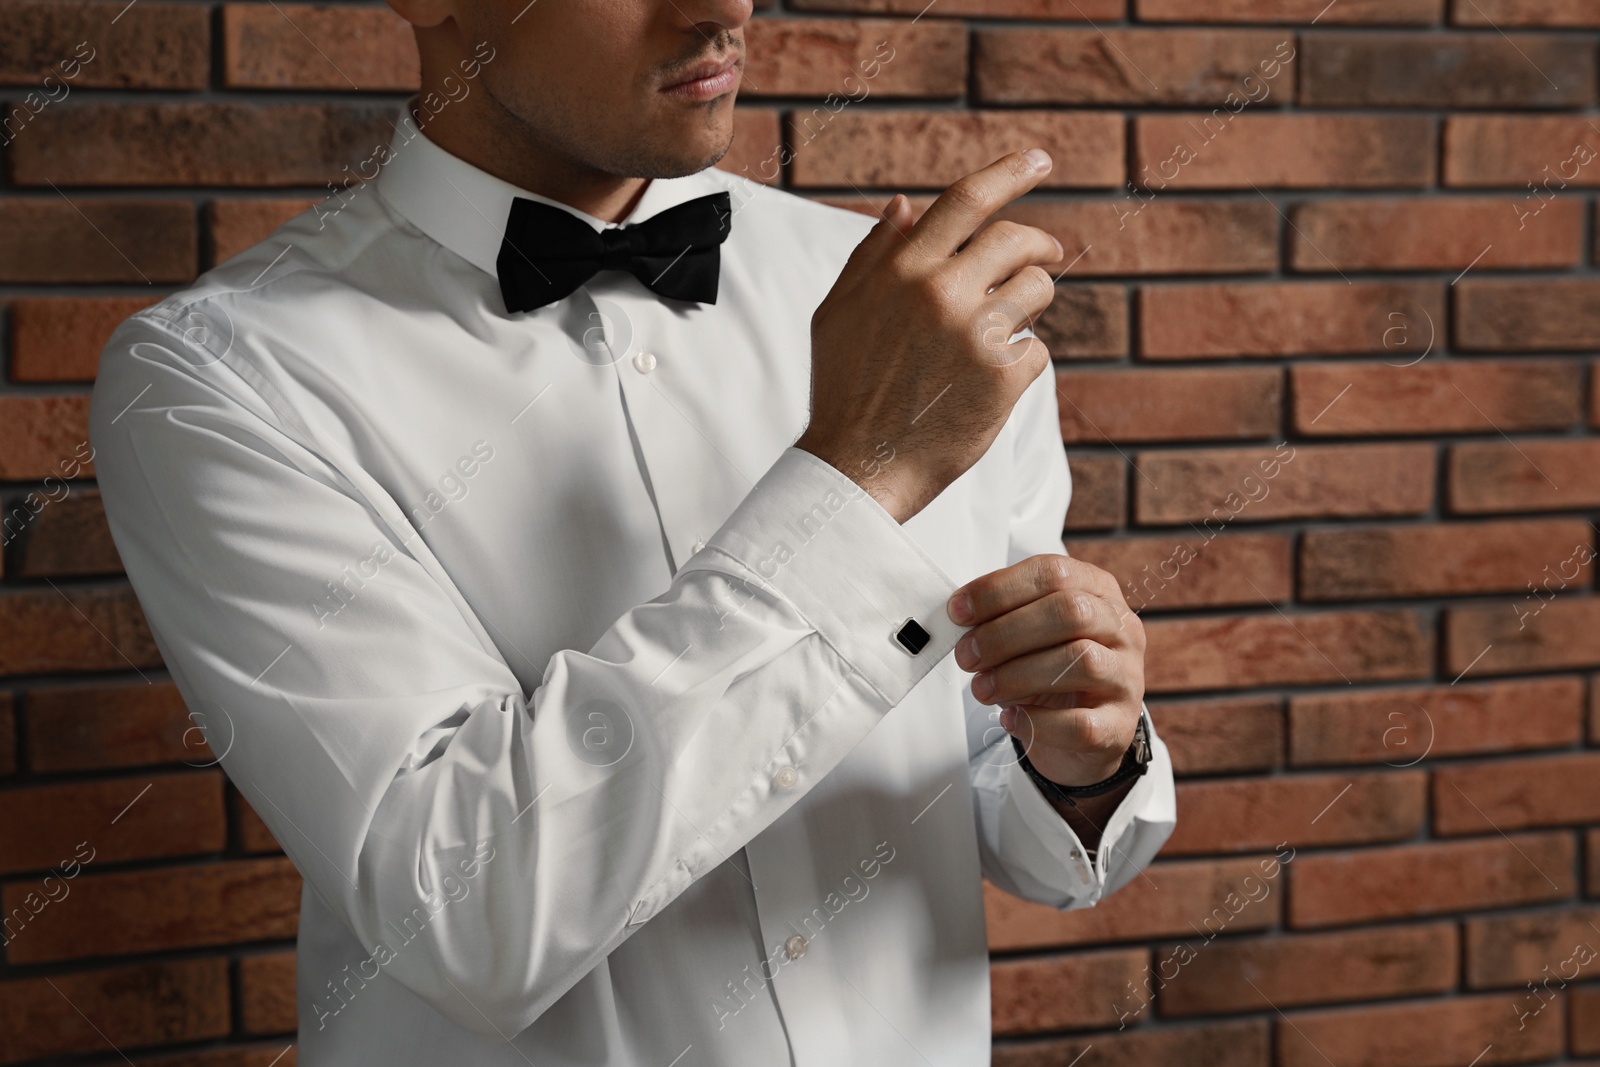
{"points": [[871, 468]]}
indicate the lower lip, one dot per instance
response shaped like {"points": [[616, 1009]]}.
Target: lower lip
{"points": [[706, 88]]}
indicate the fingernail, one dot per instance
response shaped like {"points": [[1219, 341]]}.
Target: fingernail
{"points": [[1008, 718], [983, 685], [1039, 158], [967, 649], [1060, 251], [960, 608]]}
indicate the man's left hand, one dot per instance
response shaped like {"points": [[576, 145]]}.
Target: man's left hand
{"points": [[1056, 646]]}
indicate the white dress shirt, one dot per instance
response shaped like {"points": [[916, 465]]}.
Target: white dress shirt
{"points": [[567, 683]]}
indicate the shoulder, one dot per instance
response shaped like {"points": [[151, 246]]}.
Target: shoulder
{"points": [[284, 287]]}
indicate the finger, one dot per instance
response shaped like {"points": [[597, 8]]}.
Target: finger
{"points": [[963, 207], [890, 233], [1024, 298], [1053, 619], [1084, 667], [1069, 729], [993, 594], [1003, 248]]}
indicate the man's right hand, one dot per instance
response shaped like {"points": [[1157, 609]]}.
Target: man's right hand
{"points": [[911, 350]]}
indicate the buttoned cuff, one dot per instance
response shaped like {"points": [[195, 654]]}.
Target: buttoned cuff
{"points": [[1063, 850], [823, 544]]}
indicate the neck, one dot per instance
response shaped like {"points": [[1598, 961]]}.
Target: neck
{"points": [[480, 131]]}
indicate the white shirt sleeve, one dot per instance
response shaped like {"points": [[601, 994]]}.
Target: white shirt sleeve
{"points": [[1027, 847], [393, 752]]}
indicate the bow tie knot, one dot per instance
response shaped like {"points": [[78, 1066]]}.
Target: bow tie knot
{"points": [[547, 253], [620, 246]]}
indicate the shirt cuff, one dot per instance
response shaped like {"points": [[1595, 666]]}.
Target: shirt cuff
{"points": [[1063, 861], [827, 547]]}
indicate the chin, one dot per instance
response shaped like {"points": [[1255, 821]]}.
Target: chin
{"points": [[695, 149]]}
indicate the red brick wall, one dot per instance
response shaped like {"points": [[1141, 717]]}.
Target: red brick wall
{"points": [[1327, 390]]}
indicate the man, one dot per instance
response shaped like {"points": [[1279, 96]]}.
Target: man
{"points": [[574, 601]]}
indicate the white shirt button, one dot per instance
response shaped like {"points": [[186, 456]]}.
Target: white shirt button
{"points": [[644, 362], [696, 547], [786, 778], [1077, 855], [795, 947]]}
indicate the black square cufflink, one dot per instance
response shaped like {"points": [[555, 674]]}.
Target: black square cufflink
{"points": [[912, 637]]}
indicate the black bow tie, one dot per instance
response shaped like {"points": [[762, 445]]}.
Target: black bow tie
{"points": [[547, 252]]}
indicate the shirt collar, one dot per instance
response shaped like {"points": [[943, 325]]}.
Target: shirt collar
{"points": [[465, 209]]}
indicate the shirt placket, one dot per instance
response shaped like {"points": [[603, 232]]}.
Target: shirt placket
{"points": [[696, 482]]}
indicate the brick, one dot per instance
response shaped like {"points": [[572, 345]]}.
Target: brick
{"points": [[1077, 992], [1584, 1004], [1225, 1044], [931, 149], [1360, 12], [1442, 397], [266, 994], [1401, 726], [1099, 492], [8, 734], [1550, 314], [306, 46], [1504, 951], [1217, 486], [1591, 852], [1528, 635], [756, 151], [45, 436], [1547, 152], [1164, 236], [1290, 319], [1300, 969], [1433, 234], [59, 338], [847, 57], [1224, 151], [1433, 1033], [1525, 476], [236, 225], [1451, 560], [1301, 810], [1273, 649], [80, 629], [254, 837], [1220, 736], [121, 819], [158, 144], [1133, 66], [1594, 708], [1445, 70], [1101, 406], [1168, 573], [130, 1007], [139, 241], [97, 727], [1516, 794], [151, 46], [1170, 900], [1086, 322], [175, 908], [1411, 881], [1052, 10], [1524, 13], [68, 537]]}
